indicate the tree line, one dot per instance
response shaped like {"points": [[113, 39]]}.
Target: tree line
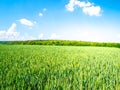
{"points": [[61, 43]]}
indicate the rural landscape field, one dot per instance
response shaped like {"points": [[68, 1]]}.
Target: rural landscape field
{"points": [[51, 67], [59, 44]]}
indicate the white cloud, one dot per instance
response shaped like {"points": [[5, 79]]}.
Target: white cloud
{"points": [[10, 34], [40, 36], [26, 22], [40, 14], [87, 7], [92, 11], [83, 4], [53, 36], [70, 5], [12, 28]]}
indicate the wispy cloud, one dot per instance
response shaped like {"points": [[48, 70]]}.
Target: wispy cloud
{"points": [[87, 7], [44, 9], [26, 22], [10, 34], [42, 12]]}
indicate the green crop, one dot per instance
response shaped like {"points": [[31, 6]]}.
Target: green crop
{"points": [[34, 67]]}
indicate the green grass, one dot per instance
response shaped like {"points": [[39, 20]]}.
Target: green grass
{"points": [[34, 67]]}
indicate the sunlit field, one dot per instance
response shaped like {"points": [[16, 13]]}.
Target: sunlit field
{"points": [[35, 67]]}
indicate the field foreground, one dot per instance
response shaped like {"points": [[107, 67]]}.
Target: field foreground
{"points": [[34, 67]]}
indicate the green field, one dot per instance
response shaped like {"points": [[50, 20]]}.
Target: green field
{"points": [[35, 67]]}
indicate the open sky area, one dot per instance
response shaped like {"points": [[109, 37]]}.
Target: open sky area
{"points": [[86, 20]]}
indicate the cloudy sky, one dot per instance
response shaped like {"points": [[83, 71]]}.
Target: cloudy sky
{"points": [[86, 20]]}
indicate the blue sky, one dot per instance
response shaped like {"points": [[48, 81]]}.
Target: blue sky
{"points": [[86, 20]]}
